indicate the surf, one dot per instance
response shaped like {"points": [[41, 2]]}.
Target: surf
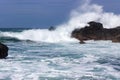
{"points": [[78, 18]]}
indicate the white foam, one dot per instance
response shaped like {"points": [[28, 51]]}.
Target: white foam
{"points": [[78, 18]]}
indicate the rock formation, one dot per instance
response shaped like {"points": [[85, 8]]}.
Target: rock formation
{"points": [[51, 28], [3, 51], [95, 31]]}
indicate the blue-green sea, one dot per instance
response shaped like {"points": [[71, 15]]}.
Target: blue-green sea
{"points": [[37, 56]]}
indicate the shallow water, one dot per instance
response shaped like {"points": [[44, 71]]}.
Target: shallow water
{"points": [[95, 60]]}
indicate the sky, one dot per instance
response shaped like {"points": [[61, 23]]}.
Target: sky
{"points": [[43, 13]]}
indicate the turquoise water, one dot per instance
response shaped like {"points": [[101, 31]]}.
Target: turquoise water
{"points": [[29, 60]]}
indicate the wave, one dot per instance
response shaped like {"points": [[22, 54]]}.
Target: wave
{"points": [[5, 39], [79, 17], [41, 35]]}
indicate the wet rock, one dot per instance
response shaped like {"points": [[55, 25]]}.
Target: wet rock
{"points": [[3, 51], [95, 31], [51, 28]]}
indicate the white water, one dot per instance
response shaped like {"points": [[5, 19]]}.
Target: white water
{"points": [[65, 61], [78, 18]]}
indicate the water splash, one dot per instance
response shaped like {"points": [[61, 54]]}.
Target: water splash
{"points": [[78, 18]]}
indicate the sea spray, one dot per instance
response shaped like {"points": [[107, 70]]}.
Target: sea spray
{"points": [[40, 35], [97, 60], [78, 18]]}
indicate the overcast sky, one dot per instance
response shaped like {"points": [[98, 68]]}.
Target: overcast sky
{"points": [[43, 13]]}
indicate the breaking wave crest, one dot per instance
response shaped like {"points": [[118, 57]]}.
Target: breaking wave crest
{"points": [[78, 18], [41, 35]]}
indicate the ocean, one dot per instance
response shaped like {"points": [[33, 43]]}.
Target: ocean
{"points": [[40, 54], [37, 60]]}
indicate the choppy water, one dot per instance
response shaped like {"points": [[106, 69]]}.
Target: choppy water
{"points": [[96, 60], [40, 54]]}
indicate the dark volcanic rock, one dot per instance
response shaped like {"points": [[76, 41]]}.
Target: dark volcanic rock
{"points": [[3, 51], [95, 31], [51, 28]]}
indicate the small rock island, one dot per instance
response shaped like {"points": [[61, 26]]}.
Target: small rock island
{"points": [[96, 31]]}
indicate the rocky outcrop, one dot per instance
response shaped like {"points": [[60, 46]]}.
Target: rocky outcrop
{"points": [[95, 31], [51, 28], [3, 51]]}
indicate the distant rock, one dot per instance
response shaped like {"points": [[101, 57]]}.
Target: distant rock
{"points": [[3, 51], [95, 31], [51, 28]]}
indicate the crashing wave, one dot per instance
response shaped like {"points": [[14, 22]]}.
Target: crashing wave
{"points": [[78, 18]]}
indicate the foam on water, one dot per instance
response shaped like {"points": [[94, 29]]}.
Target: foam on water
{"points": [[64, 61], [40, 61], [78, 18]]}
